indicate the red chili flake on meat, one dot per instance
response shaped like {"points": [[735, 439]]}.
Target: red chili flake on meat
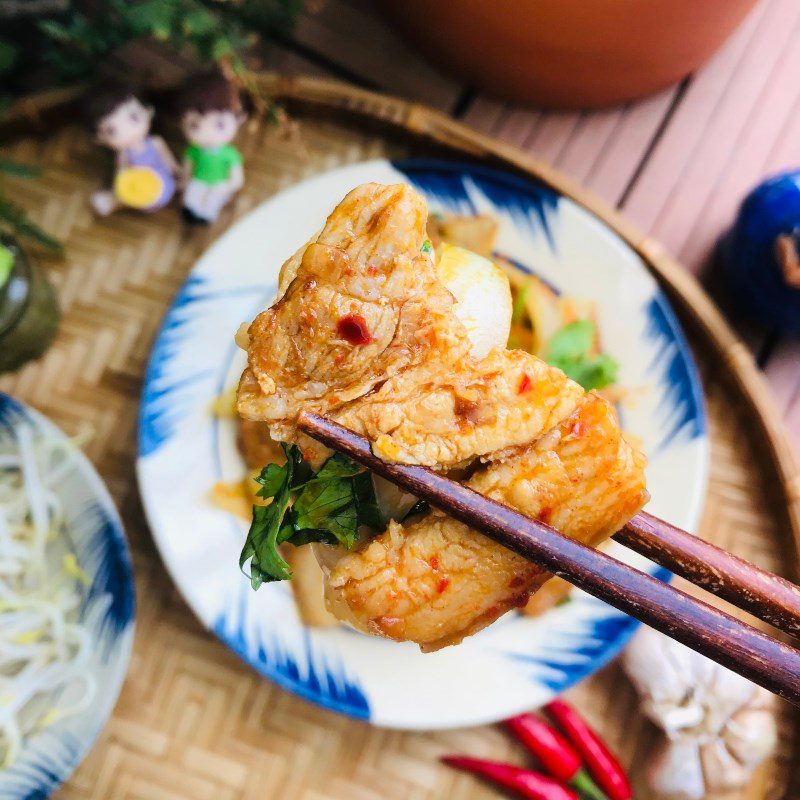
{"points": [[442, 585], [525, 384], [353, 328], [579, 428], [372, 270], [434, 562], [338, 357], [545, 514]]}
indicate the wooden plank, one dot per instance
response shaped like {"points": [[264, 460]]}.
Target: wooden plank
{"points": [[602, 149], [721, 136], [281, 59], [792, 420], [783, 373], [351, 36], [738, 121]]}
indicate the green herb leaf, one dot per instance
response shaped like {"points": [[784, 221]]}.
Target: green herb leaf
{"points": [[427, 247], [591, 372], [267, 531], [329, 506], [366, 503], [338, 466], [569, 351], [271, 478], [572, 341]]}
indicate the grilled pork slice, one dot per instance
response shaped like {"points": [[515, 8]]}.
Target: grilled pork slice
{"points": [[434, 580], [361, 303], [445, 417]]}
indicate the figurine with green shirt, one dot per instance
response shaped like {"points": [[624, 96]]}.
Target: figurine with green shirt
{"points": [[211, 111]]}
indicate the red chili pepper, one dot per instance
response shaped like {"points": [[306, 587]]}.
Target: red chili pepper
{"points": [[353, 328], [524, 782], [602, 763], [555, 753]]}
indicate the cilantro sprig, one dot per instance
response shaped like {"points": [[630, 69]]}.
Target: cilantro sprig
{"points": [[569, 350], [329, 506]]}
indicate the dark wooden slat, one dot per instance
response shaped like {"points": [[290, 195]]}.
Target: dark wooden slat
{"points": [[713, 633], [350, 35]]}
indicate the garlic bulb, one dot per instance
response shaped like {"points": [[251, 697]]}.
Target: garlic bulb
{"points": [[718, 725]]}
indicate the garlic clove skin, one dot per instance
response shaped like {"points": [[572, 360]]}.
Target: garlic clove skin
{"points": [[722, 771], [751, 734], [675, 771], [719, 726], [723, 696], [665, 680]]}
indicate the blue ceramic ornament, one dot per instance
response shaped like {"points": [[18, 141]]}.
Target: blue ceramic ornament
{"points": [[761, 254]]}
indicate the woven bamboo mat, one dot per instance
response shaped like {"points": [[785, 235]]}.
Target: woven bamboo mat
{"points": [[193, 722]]}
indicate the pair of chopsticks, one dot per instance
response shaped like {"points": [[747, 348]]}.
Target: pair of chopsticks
{"points": [[713, 633]]}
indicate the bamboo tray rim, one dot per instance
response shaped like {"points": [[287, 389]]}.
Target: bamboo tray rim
{"points": [[418, 123], [426, 123]]}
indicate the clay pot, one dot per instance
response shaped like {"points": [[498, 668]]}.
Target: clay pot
{"points": [[567, 53]]}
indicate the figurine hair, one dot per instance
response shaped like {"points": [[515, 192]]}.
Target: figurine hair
{"points": [[104, 99], [212, 92]]}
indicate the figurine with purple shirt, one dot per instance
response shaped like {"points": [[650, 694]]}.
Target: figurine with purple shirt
{"points": [[145, 168]]}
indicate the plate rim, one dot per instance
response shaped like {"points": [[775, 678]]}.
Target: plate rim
{"points": [[519, 181]]}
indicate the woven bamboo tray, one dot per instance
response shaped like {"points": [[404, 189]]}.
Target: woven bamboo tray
{"points": [[193, 722]]}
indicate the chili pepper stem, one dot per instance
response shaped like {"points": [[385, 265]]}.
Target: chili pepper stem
{"points": [[586, 787], [603, 765]]}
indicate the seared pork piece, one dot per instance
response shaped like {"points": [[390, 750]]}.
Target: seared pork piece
{"points": [[434, 580], [257, 447], [447, 418], [365, 331], [363, 303]]}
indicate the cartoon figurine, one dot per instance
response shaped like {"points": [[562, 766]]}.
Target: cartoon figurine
{"points": [[211, 110], [145, 167]]}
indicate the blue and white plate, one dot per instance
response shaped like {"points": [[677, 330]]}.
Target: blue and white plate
{"points": [[517, 663], [97, 540]]}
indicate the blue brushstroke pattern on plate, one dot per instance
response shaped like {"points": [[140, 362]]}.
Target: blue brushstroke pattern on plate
{"points": [[299, 669]]}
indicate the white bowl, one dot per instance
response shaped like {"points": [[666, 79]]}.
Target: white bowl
{"points": [[96, 538]]}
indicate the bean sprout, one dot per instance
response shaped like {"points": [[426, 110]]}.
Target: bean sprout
{"points": [[44, 647]]}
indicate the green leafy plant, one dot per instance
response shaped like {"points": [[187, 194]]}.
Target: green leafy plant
{"points": [[328, 506], [570, 350], [14, 220], [77, 38]]}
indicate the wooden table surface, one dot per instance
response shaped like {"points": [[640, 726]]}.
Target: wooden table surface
{"points": [[677, 163]]}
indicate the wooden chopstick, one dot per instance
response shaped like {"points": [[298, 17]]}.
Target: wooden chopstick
{"points": [[765, 595], [711, 632]]}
